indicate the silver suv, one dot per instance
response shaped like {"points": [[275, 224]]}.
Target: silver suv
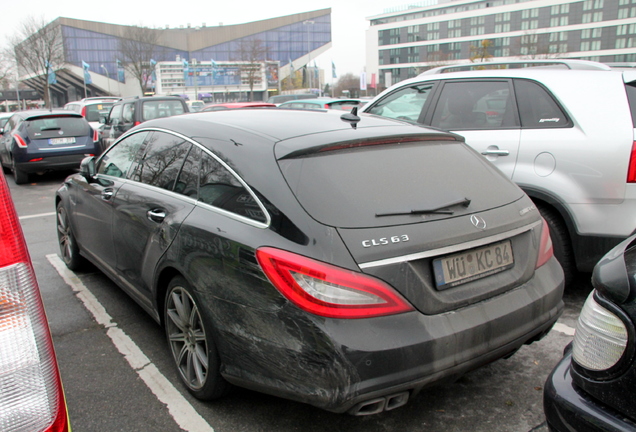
{"points": [[565, 136]]}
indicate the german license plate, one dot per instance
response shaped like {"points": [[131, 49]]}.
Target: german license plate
{"points": [[65, 140], [471, 265]]}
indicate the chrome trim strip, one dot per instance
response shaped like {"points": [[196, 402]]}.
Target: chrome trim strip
{"points": [[451, 249]]}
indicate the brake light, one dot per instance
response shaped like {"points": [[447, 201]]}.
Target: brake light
{"points": [[20, 141], [631, 171], [545, 248], [95, 135], [326, 290], [326, 106], [36, 160], [31, 396], [137, 123], [83, 112]]}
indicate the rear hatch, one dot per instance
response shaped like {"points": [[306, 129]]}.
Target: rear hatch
{"points": [[59, 132], [425, 213]]}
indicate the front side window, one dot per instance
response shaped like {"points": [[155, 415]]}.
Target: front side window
{"points": [[474, 105], [404, 104], [162, 160], [117, 161], [537, 108], [219, 188], [115, 114], [129, 113]]}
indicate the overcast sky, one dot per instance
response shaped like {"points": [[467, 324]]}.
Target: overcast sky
{"points": [[348, 18]]}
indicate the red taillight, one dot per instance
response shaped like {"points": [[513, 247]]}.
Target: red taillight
{"points": [[36, 160], [137, 123], [32, 398], [631, 171], [326, 290], [326, 106], [83, 112], [545, 248], [95, 136], [20, 141]]}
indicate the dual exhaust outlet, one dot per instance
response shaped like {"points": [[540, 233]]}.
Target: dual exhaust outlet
{"points": [[381, 404]]}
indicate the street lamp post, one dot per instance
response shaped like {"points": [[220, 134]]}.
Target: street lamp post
{"points": [[307, 23], [195, 78], [107, 78]]}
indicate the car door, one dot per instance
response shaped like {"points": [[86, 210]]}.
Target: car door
{"points": [[94, 201], [484, 111], [149, 210]]}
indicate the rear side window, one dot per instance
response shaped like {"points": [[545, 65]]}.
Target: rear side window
{"points": [[163, 157], [219, 188], [56, 127], [117, 161], [93, 112], [630, 88], [537, 108], [129, 113], [161, 108], [474, 105], [404, 104]]}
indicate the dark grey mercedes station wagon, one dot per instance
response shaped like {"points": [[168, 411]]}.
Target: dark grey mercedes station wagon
{"points": [[339, 260]]}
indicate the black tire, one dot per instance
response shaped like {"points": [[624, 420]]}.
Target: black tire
{"points": [[20, 177], [191, 344], [69, 250], [560, 242]]}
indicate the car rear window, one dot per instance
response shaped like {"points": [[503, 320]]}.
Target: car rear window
{"points": [[347, 188], [54, 127], [158, 109], [93, 111]]}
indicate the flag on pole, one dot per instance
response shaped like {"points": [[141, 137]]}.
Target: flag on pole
{"points": [[87, 75], [214, 68], [333, 70], [186, 68], [121, 77], [373, 83], [51, 78], [363, 81], [153, 74]]}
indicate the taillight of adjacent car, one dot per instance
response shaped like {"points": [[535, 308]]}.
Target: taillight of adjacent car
{"points": [[631, 170], [95, 135], [31, 396], [327, 290], [546, 251]]}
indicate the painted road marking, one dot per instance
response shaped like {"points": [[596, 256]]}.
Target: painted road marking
{"points": [[563, 329], [36, 216], [180, 409]]}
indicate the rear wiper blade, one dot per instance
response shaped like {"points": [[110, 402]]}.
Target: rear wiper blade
{"points": [[443, 209], [50, 128]]}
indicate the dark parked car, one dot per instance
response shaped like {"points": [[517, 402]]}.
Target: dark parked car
{"points": [[128, 113], [341, 261], [592, 388], [45, 140]]}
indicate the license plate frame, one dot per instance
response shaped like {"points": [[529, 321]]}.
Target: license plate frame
{"points": [[466, 266], [62, 141]]}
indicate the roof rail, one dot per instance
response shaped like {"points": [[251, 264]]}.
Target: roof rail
{"points": [[517, 64]]}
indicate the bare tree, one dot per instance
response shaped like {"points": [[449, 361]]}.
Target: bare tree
{"points": [[252, 53], [37, 46], [137, 47], [349, 82]]}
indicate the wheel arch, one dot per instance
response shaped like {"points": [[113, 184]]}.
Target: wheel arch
{"points": [[163, 279]]}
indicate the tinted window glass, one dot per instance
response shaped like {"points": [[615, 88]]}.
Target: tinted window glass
{"points": [[129, 113], [188, 182], [474, 105], [120, 157], [161, 108], [631, 97], [404, 104], [115, 114], [537, 108], [56, 127], [93, 112], [163, 157], [219, 188]]}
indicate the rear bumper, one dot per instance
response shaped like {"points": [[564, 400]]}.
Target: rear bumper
{"points": [[567, 408], [341, 365], [52, 163]]}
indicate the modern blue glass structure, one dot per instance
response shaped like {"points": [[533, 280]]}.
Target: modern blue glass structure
{"points": [[296, 38]]}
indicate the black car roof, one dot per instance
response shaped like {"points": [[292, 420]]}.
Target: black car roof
{"points": [[281, 124]]}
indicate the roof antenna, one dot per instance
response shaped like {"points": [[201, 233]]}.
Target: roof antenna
{"points": [[351, 117]]}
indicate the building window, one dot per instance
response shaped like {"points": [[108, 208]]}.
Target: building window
{"points": [[585, 46], [597, 16], [620, 43], [595, 45]]}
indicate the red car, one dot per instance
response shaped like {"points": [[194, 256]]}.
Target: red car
{"points": [[234, 105]]}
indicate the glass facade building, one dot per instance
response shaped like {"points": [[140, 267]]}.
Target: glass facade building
{"points": [[406, 41], [295, 38]]}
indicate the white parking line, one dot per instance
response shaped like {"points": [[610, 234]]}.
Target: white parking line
{"points": [[181, 410], [563, 329], [36, 216]]}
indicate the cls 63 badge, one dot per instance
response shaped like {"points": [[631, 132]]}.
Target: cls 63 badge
{"points": [[385, 241]]}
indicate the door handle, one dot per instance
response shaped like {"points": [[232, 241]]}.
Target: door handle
{"points": [[156, 215], [495, 153], [107, 194]]}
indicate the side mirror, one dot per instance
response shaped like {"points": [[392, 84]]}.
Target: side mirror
{"points": [[610, 276], [87, 168]]}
